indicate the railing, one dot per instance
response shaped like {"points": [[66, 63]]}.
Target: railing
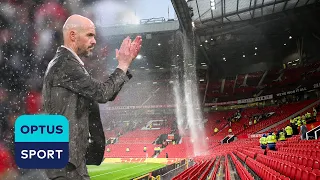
{"points": [[152, 20], [169, 175]]}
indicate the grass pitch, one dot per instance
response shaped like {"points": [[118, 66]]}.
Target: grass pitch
{"points": [[117, 171]]}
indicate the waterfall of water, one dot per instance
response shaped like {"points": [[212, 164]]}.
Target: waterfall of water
{"points": [[188, 110]]}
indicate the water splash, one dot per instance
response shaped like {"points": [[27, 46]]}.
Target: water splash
{"points": [[188, 111]]}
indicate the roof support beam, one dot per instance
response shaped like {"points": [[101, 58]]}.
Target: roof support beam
{"points": [[212, 9], [244, 10], [262, 8], [307, 2], [237, 6], [183, 13], [224, 7], [274, 5], [296, 4], [198, 11], [250, 7], [238, 10], [239, 17], [254, 8], [285, 5], [222, 14]]}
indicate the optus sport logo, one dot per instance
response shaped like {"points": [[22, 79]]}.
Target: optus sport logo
{"points": [[41, 141]]}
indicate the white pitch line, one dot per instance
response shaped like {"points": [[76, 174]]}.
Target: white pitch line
{"points": [[117, 170], [144, 173], [150, 97]]}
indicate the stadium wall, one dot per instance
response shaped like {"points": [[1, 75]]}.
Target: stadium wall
{"points": [[167, 161]]}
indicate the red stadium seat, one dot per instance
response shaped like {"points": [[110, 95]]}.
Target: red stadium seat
{"points": [[316, 164], [298, 173], [292, 172], [305, 175]]}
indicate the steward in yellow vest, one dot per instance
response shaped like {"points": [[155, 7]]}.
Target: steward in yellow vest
{"points": [[216, 130], [282, 136], [271, 141], [289, 131], [263, 142]]}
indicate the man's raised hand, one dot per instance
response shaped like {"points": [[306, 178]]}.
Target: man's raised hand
{"points": [[135, 47], [128, 52]]}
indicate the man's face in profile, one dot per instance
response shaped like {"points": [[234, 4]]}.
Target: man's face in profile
{"points": [[86, 42]]}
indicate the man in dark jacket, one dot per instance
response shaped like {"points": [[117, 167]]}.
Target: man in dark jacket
{"points": [[69, 90]]}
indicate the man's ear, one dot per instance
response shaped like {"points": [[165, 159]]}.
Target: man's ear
{"points": [[72, 36]]}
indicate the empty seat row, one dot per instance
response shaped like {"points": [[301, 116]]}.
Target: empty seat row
{"points": [[301, 151], [241, 155], [194, 171], [248, 153], [215, 169], [226, 169], [307, 145], [263, 171], [257, 150], [294, 171], [304, 160], [242, 172], [186, 172], [203, 173]]}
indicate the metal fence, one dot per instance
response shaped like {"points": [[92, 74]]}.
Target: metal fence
{"points": [[169, 175]]}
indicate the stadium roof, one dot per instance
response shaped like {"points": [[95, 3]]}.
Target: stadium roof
{"points": [[234, 34], [217, 12]]}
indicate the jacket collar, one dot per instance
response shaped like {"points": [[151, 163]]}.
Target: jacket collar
{"points": [[65, 50]]}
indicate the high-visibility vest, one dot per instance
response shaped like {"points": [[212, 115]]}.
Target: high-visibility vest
{"points": [[308, 115], [216, 130], [263, 140], [271, 139], [289, 130], [282, 137], [274, 137], [145, 148], [304, 122], [298, 123]]}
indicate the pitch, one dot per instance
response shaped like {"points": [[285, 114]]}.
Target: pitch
{"points": [[119, 171]]}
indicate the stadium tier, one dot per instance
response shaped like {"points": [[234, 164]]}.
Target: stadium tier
{"points": [[246, 160], [275, 81], [177, 151], [242, 126], [139, 138], [287, 122], [138, 133], [135, 151]]}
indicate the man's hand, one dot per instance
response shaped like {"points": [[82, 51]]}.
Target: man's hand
{"points": [[128, 52]]}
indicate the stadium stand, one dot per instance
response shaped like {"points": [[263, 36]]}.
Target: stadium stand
{"points": [[142, 136], [135, 150], [281, 112], [293, 158], [267, 165], [277, 80]]}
